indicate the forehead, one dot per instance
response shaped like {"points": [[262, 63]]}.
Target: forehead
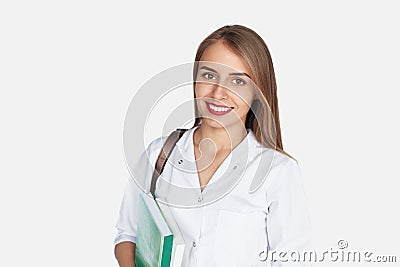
{"points": [[223, 58]]}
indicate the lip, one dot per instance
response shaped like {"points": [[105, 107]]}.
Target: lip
{"points": [[218, 113]]}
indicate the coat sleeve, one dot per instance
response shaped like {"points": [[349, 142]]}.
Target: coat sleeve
{"points": [[140, 181], [288, 223], [127, 219]]}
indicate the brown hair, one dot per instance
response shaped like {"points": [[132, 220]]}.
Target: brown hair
{"points": [[246, 43]]}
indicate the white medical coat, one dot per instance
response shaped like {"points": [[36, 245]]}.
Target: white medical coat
{"points": [[239, 228]]}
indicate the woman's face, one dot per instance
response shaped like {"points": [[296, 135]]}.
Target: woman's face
{"points": [[224, 90]]}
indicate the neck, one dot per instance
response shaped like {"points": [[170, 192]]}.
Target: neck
{"points": [[219, 139]]}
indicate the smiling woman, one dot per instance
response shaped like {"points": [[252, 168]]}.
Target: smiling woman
{"points": [[248, 190], [240, 48]]}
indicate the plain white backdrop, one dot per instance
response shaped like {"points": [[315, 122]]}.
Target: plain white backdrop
{"points": [[68, 70]]}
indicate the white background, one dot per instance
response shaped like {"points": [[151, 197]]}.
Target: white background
{"points": [[68, 70]]}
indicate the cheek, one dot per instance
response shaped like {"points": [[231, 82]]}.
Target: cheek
{"points": [[199, 90], [244, 100], [202, 90]]}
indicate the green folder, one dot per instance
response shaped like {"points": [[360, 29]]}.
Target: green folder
{"points": [[156, 244]]}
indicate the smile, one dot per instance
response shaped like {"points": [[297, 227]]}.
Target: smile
{"points": [[218, 109]]}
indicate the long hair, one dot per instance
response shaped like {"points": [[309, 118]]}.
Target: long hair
{"points": [[247, 44]]}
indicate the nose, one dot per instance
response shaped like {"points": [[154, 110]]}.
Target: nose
{"points": [[219, 92]]}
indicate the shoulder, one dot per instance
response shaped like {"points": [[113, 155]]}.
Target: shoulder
{"points": [[277, 168], [153, 149], [284, 161], [271, 168], [269, 157], [156, 143], [285, 175], [143, 168]]}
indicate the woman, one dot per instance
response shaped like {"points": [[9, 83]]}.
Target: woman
{"points": [[247, 198]]}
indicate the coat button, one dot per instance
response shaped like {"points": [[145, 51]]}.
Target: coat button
{"points": [[199, 199], [180, 161], [194, 244]]}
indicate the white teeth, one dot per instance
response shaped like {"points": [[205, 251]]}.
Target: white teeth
{"points": [[218, 109]]}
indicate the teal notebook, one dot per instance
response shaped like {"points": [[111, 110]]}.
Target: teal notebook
{"points": [[156, 244]]}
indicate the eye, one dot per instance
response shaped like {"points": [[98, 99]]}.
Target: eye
{"points": [[209, 76], [239, 81]]}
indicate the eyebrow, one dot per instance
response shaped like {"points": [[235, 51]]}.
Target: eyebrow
{"points": [[234, 73]]}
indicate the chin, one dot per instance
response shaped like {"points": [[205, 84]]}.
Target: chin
{"points": [[222, 124], [212, 123]]}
